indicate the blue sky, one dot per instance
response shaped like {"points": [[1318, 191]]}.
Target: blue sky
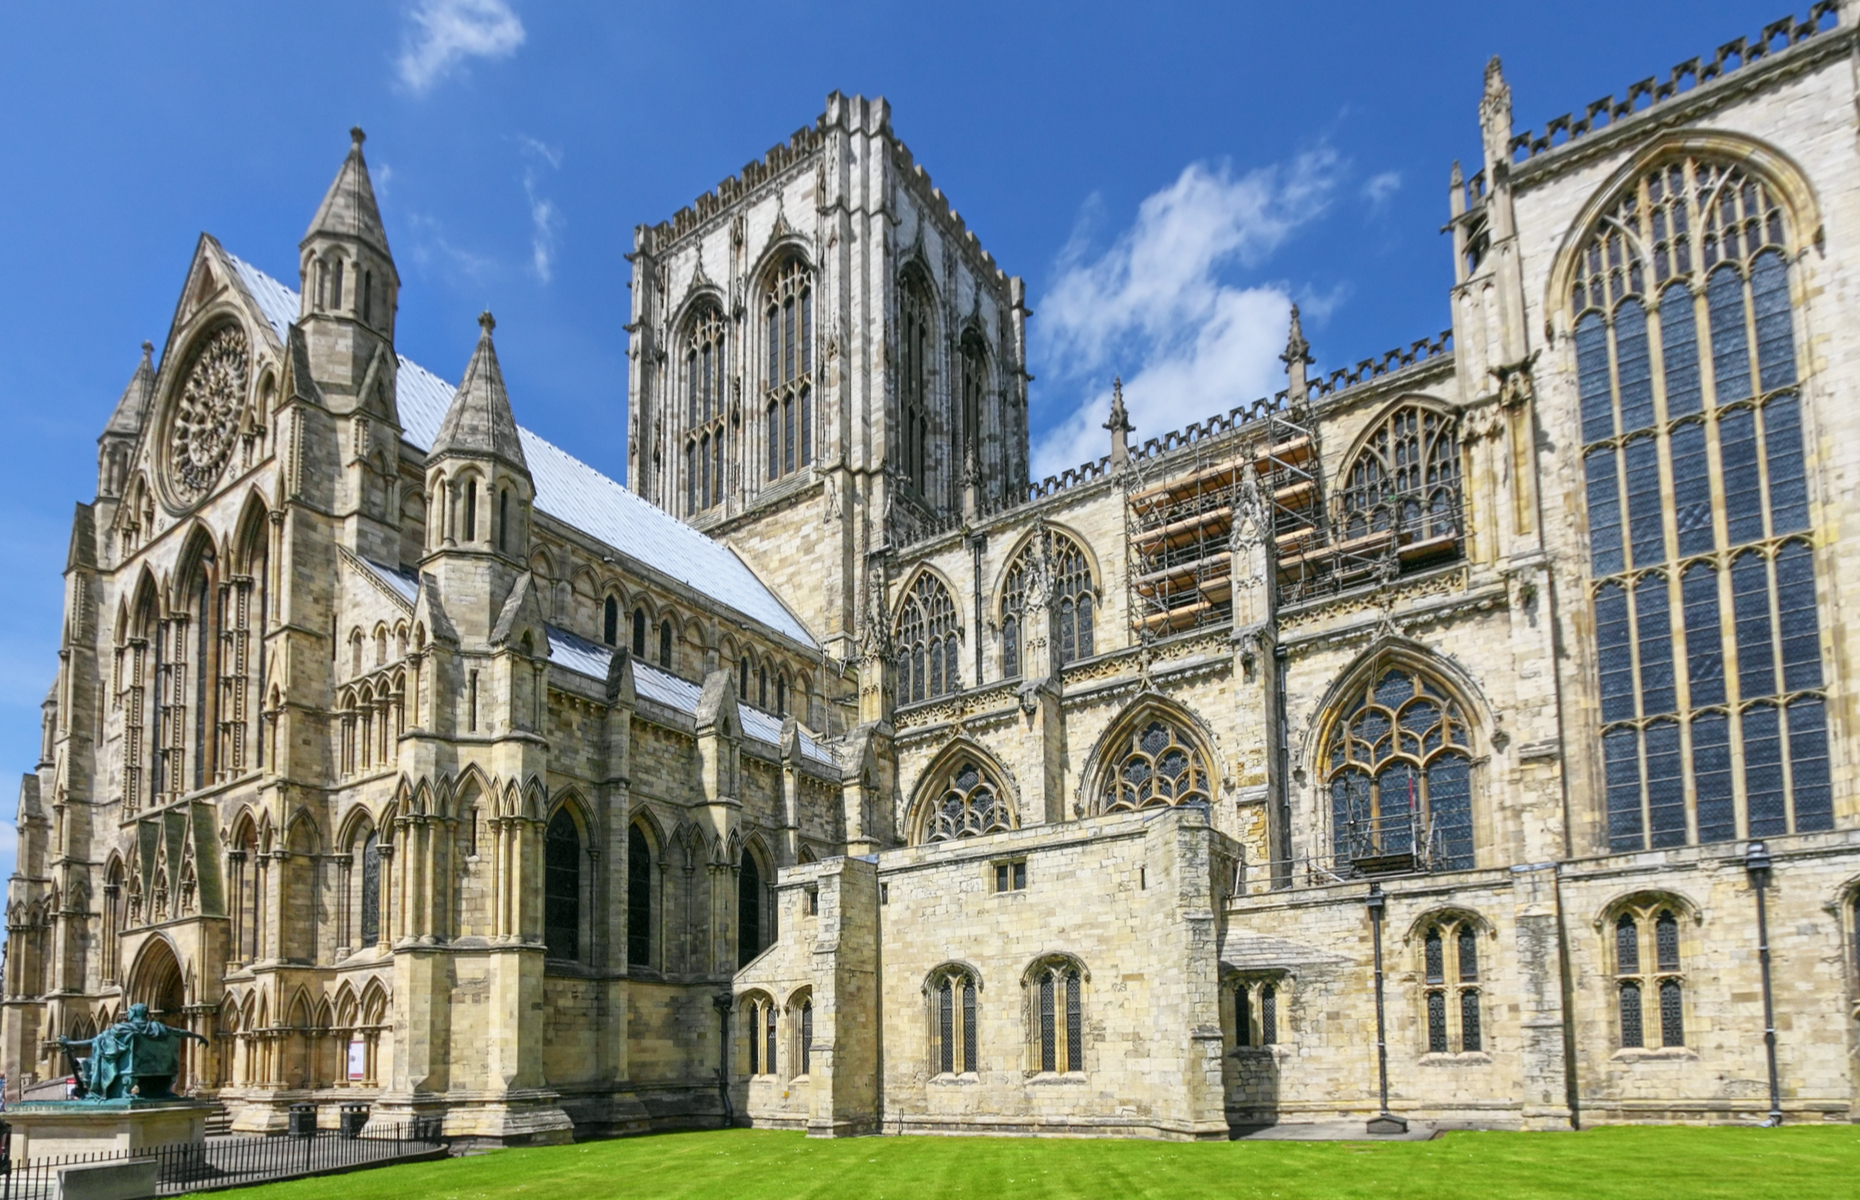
{"points": [[1165, 176]]}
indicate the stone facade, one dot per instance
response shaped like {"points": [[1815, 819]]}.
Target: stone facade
{"points": [[413, 762]]}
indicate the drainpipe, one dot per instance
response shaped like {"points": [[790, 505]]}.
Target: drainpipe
{"points": [[1757, 865], [1384, 1121], [723, 1001]]}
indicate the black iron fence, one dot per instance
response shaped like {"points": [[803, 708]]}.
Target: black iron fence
{"points": [[237, 1161]]}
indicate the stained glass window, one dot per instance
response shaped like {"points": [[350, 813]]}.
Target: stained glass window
{"points": [[1401, 775], [1054, 560], [706, 367], [1405, 484], [1451, 991], [1686, 372], [970, 805], [1056, 1012], [1157, 764], [1647, 962]]}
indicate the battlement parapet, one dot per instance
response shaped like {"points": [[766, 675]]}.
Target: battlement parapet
{"points": [[1775, 38]]}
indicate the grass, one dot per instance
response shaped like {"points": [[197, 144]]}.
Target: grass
{"points": [[1621, 1163]]}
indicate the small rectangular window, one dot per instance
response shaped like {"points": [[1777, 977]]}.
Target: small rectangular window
{"points": [[1011, 876], [813, 902], [884, 893], [1020, 876], [1001, 877]]}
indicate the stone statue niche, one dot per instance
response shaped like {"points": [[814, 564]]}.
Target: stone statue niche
{"points": [[135, 1059]]}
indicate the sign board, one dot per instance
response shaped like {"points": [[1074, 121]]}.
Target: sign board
{"points": [[358, 1061]]}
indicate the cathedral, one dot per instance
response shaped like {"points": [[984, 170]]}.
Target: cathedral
{"points": [[1457, 736]]}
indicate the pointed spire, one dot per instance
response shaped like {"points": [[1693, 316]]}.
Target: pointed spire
{"points": [[348, 210], [1495, 115], [134, 404], [479, 420], [1296, 358], [1119, 425]]}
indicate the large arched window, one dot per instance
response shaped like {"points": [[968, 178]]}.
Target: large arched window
{"points": [[951, 992], [639, 888], [371, 890], [1402, 492], [1156, 763], [787, 409], [1399, 767], [1071, 600], [915, 346], [1686, 366], [562, 887], [968, 804], [706, 409], [929, 643]]}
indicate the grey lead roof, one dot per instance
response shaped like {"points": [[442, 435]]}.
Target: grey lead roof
{"points": [[570, 490], [591, 658]]}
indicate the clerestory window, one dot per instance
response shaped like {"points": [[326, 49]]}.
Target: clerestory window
{"points": [[915, 348], [1403, 491], [1707, 636], [1059, 562], [969, 804]]}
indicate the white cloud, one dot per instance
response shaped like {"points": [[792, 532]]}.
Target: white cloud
{"points": [[1381, 187], [444, 33], [545, 217], [1155, 307]]}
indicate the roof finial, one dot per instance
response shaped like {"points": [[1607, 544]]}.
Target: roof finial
{"points": [[1119, 425], [487, 322], [356, 136], [148, 348], [1296, 357]]}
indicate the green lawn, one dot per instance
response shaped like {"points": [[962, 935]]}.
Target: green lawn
{"points": [[1600, 1164]]}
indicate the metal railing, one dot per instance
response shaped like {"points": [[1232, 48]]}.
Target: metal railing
{"points": [[236, 1161]]}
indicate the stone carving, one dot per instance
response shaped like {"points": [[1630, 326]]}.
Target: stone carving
{"points": [[206, 414], [136, 1058]]}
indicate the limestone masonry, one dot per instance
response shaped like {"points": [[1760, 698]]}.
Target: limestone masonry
{"points": [[833, 774]]}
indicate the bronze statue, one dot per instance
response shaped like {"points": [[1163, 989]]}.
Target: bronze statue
{"points": [[136, 1058]]}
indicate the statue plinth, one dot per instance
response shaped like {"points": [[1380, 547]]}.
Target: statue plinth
{"points": [[55, 1128]]}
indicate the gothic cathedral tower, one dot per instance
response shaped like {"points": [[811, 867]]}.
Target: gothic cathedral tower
{"points": [[825, 364]]}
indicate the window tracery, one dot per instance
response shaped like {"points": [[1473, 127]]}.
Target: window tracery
{"points": [[1256, 1010], [1450, 986], [1647, 969], [1053, 562], [759, 1032], [1157, 764], [1686, 367], [1400, 776], [929, 643], [788, 399], [970, 804], [952, 996], [1403, 489]]}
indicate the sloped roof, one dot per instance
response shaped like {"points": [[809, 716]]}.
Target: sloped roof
{"points": [[570, 490]]}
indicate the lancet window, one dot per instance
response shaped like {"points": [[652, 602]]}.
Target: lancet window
{"points": [[971, 406], [562, 887], [1649, 984], [753, 910], [706, 409], [1400, 773], [953, 1025], [1403, 490], [1707, 637], [759, 1033], [1155, 764], [1450, 986], [970, 804], [639, 890], [788, 414], [929, 643], [1056, 1016], [915, 348]]}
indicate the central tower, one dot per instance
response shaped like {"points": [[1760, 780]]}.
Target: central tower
{"points": [[825, 364]]}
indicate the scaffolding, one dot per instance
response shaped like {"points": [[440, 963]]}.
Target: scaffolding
{"points": [[1180, 566]]}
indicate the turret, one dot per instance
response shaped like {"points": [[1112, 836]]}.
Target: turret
{"points": [[479, 494], [349, 286], [116, 446]]}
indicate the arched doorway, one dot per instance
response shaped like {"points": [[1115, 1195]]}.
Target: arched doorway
{"points": [[155, 980]]}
